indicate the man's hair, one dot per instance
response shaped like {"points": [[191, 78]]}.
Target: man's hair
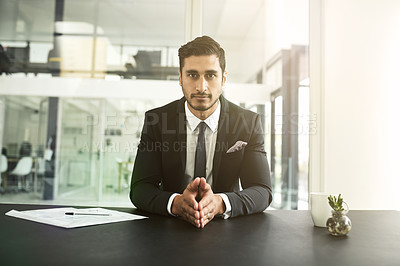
{"points": [[204, 45]]}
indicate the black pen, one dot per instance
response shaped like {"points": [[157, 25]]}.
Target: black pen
{"points": [[87, 213]]}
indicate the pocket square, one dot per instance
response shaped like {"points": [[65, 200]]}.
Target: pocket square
{"points": [[237, 147]]}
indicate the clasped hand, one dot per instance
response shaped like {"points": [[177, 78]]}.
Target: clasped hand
{"points": [[198, 204]]}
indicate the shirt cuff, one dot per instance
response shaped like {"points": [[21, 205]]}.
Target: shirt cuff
{"points": [[169, 205], [228, 207]]}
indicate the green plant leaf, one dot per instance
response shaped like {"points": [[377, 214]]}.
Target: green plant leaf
{"points": [[336, 203]]}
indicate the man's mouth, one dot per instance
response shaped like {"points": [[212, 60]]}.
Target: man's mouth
{"points": [[201, 96]]}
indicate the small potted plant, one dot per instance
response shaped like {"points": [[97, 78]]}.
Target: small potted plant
{"points": [[338, 224]]}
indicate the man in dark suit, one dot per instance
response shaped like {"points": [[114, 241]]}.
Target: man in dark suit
{"points": [[196, 152]]}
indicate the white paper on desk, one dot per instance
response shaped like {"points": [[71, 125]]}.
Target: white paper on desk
{"points": [[57, 217]]}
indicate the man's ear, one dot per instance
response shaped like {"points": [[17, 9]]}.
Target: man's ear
{"points": [[180, 79], [224, 78]]}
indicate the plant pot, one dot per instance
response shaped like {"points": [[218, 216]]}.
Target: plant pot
{"points": [[338, 224]]}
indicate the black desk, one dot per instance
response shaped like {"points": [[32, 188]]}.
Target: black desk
{"points": [[270, 238]]}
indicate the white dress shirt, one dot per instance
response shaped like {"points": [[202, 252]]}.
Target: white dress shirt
{"points": [[192, 133]]}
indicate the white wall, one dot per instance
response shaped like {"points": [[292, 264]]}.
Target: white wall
{"points": [[355, 92]]}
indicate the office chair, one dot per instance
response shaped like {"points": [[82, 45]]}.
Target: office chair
{"points": [[23, 169]]}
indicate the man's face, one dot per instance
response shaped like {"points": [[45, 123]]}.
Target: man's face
{"points": [[202, 81]]}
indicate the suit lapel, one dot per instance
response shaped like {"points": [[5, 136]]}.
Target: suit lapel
{"points": [[181, 131], [223, 125]]}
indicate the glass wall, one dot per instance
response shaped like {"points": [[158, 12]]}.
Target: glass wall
{"points": [[92, 141], [291, 125], [22, 136], [79, 162], [82, 74]]}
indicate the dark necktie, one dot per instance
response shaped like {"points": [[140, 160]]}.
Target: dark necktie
{"points": [[200, 159]]}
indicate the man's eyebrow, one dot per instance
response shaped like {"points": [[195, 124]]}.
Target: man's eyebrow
{"points": [[211, 71], [208, 72], [192, 71]]}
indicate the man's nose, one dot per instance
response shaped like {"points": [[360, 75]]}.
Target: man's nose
{"points": [[202, 84]]}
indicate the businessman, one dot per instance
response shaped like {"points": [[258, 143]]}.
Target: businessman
{"points": [[201, 156]]}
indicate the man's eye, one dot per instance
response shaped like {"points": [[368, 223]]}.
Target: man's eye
{"points": [[211, 76], [192, 75]]}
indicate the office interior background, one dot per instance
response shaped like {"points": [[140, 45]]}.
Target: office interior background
{"points": [[322, 73]]}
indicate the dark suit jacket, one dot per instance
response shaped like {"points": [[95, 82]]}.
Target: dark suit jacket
{"points": [[160, 163]]}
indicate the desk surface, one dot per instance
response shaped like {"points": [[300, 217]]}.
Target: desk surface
{"points": [[269, 238]]}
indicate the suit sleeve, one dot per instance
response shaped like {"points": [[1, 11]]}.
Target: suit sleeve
{"points": [[254, 175], [146, 193]]}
